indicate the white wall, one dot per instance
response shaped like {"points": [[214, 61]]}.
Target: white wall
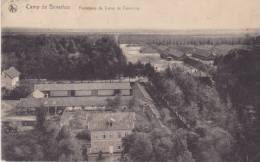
{"points": [[15, 81], [83, 93], [9, 83], [59, 93], [105, 92]]}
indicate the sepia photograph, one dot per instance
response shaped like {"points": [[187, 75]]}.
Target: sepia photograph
{"points": [[130, 81]]}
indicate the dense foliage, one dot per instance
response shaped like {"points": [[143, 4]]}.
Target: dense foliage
{"points": [[47, 142], [63, 57], [18, 92], [238, 82], [222, 120], [68, 57]]}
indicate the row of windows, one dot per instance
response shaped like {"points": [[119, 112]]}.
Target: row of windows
{"points": [[111, 135], [98, 148], [74, 93], [28, 123]]}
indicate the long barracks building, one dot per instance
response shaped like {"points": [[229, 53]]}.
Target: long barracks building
{"points": [[89, 96], [84, 89]]}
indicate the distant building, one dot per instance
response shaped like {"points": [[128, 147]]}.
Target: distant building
{"points": [[10, 78], [174, 53], [108, 129], [203, 54], [84, 89], [161, 48], [148, 50], [13, 124]]}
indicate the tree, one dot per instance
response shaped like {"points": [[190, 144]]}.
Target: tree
{"points": [[113, 104], [85, 134], [21, 148], [21, 91], [63, 133], [100, 156], [141, 149], [41, 113]]}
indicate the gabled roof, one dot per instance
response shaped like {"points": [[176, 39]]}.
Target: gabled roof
{"points": [[12, 72], [37, 94], [81, 86], [105, 121]]}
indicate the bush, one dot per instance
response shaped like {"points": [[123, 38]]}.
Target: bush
{"points": [[85, 135], [17, 93]]}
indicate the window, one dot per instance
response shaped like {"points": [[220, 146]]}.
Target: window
{"points": [[119, 147], [119, 135], [52, 110], [104, 136], [94, 92], [117, 92], [46, 93], [72, 93]]}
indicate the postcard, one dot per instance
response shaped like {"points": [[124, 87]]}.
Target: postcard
{"points": [[130, 80]]}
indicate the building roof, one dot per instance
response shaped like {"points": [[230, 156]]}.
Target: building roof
{"points": [[68, 101], [37, 94], [12, 72], [202, 53], [81, 86], [175, 53], [162, 48], [148, 49], [105, 121], [19, 118]]}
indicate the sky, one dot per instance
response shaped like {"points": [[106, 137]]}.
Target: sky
{"points": [[145, 14]]}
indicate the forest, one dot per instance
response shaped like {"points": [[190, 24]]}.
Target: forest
{"points": [[63, 57], [60, 57]]}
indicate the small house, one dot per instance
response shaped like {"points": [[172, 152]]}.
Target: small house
{"points": [[10, 78]]}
